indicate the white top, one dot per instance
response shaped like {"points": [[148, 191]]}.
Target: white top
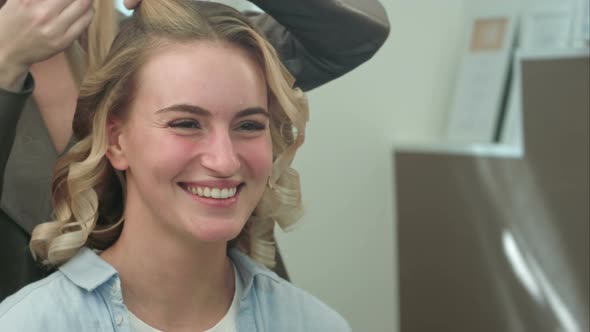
{"points": [[226, 324]]}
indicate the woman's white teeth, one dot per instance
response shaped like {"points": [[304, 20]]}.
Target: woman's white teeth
{"points": [[219, 193]]}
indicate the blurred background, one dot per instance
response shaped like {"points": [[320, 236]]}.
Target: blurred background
{"points": [[446, 180]]}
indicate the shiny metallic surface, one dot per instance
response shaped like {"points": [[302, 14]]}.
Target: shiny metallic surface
{"points": [[495, 242]]}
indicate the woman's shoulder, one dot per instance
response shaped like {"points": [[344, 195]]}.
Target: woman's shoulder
{"points": [[299, 307], [33, 307], [58, 302], [32, 293], [286, 305]]}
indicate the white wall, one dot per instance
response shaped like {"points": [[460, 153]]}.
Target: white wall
{"points": [[345, 250]]}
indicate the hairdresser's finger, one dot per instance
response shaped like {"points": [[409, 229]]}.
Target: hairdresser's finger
{"points": [[131, 4], [72, 13], [53, 8], [76, 28]]}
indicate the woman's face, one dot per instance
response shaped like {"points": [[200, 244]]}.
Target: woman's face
{"points": [[196, 143]]}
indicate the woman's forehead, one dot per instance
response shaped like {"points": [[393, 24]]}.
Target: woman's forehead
{"points": [[211, 75]]}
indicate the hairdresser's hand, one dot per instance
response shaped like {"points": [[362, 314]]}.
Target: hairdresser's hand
{"points": [[131, 4], [35, 30]]}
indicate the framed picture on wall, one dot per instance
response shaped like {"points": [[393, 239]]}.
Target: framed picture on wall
{"points": [[480, 88]]}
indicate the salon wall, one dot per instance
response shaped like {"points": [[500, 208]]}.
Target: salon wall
{"points": [[344, 250]]}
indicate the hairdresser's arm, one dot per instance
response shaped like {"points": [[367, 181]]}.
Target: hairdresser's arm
{"points": [[15, 89], [320, 40]]}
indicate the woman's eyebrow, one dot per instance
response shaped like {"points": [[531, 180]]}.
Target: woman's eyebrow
{"points": [[196, 110], [253, 111], [185, 108]]}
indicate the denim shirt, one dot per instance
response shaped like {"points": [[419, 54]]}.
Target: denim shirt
{"points": [[85, 295]]}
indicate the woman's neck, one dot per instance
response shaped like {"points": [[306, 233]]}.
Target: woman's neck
{"points": [[166, 280]]}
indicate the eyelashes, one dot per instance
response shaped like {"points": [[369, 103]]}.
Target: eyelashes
{"points": [[252, 126], [185, 124], [191, 124]]}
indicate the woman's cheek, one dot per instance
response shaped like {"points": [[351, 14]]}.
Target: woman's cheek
{"points": [[167, 151], [258, 155]]}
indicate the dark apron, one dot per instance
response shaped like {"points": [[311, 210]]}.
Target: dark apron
{"points": [[17, 266]]}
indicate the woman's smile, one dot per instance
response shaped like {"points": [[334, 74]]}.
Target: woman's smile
{"points": [[220, 194]]}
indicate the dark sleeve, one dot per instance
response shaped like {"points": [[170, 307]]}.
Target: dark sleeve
{"points": [[11, 106], [320, 40]]}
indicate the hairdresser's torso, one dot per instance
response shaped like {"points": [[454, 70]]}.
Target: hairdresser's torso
{"points": [[26, 193], [42, 134]]}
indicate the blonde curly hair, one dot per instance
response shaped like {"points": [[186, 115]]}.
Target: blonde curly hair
{"points": [[88, 193]]}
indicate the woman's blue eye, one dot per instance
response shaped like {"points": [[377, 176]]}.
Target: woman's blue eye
{"points": [[185, 124], [252, 126]]}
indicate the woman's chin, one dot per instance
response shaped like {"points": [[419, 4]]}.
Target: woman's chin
{"points": [[215, 231]]}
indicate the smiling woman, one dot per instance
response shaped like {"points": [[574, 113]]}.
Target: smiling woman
{"points": [[151, 80], [186, 136], [216, 141]]}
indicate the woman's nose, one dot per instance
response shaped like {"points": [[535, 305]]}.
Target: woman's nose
{"points": [[220, 156]]}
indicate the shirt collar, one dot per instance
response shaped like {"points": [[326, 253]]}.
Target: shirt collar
{"points": [[87, 270], [248, 269]]}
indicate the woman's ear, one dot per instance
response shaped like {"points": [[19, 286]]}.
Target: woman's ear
{"points": [[115, 152]]}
